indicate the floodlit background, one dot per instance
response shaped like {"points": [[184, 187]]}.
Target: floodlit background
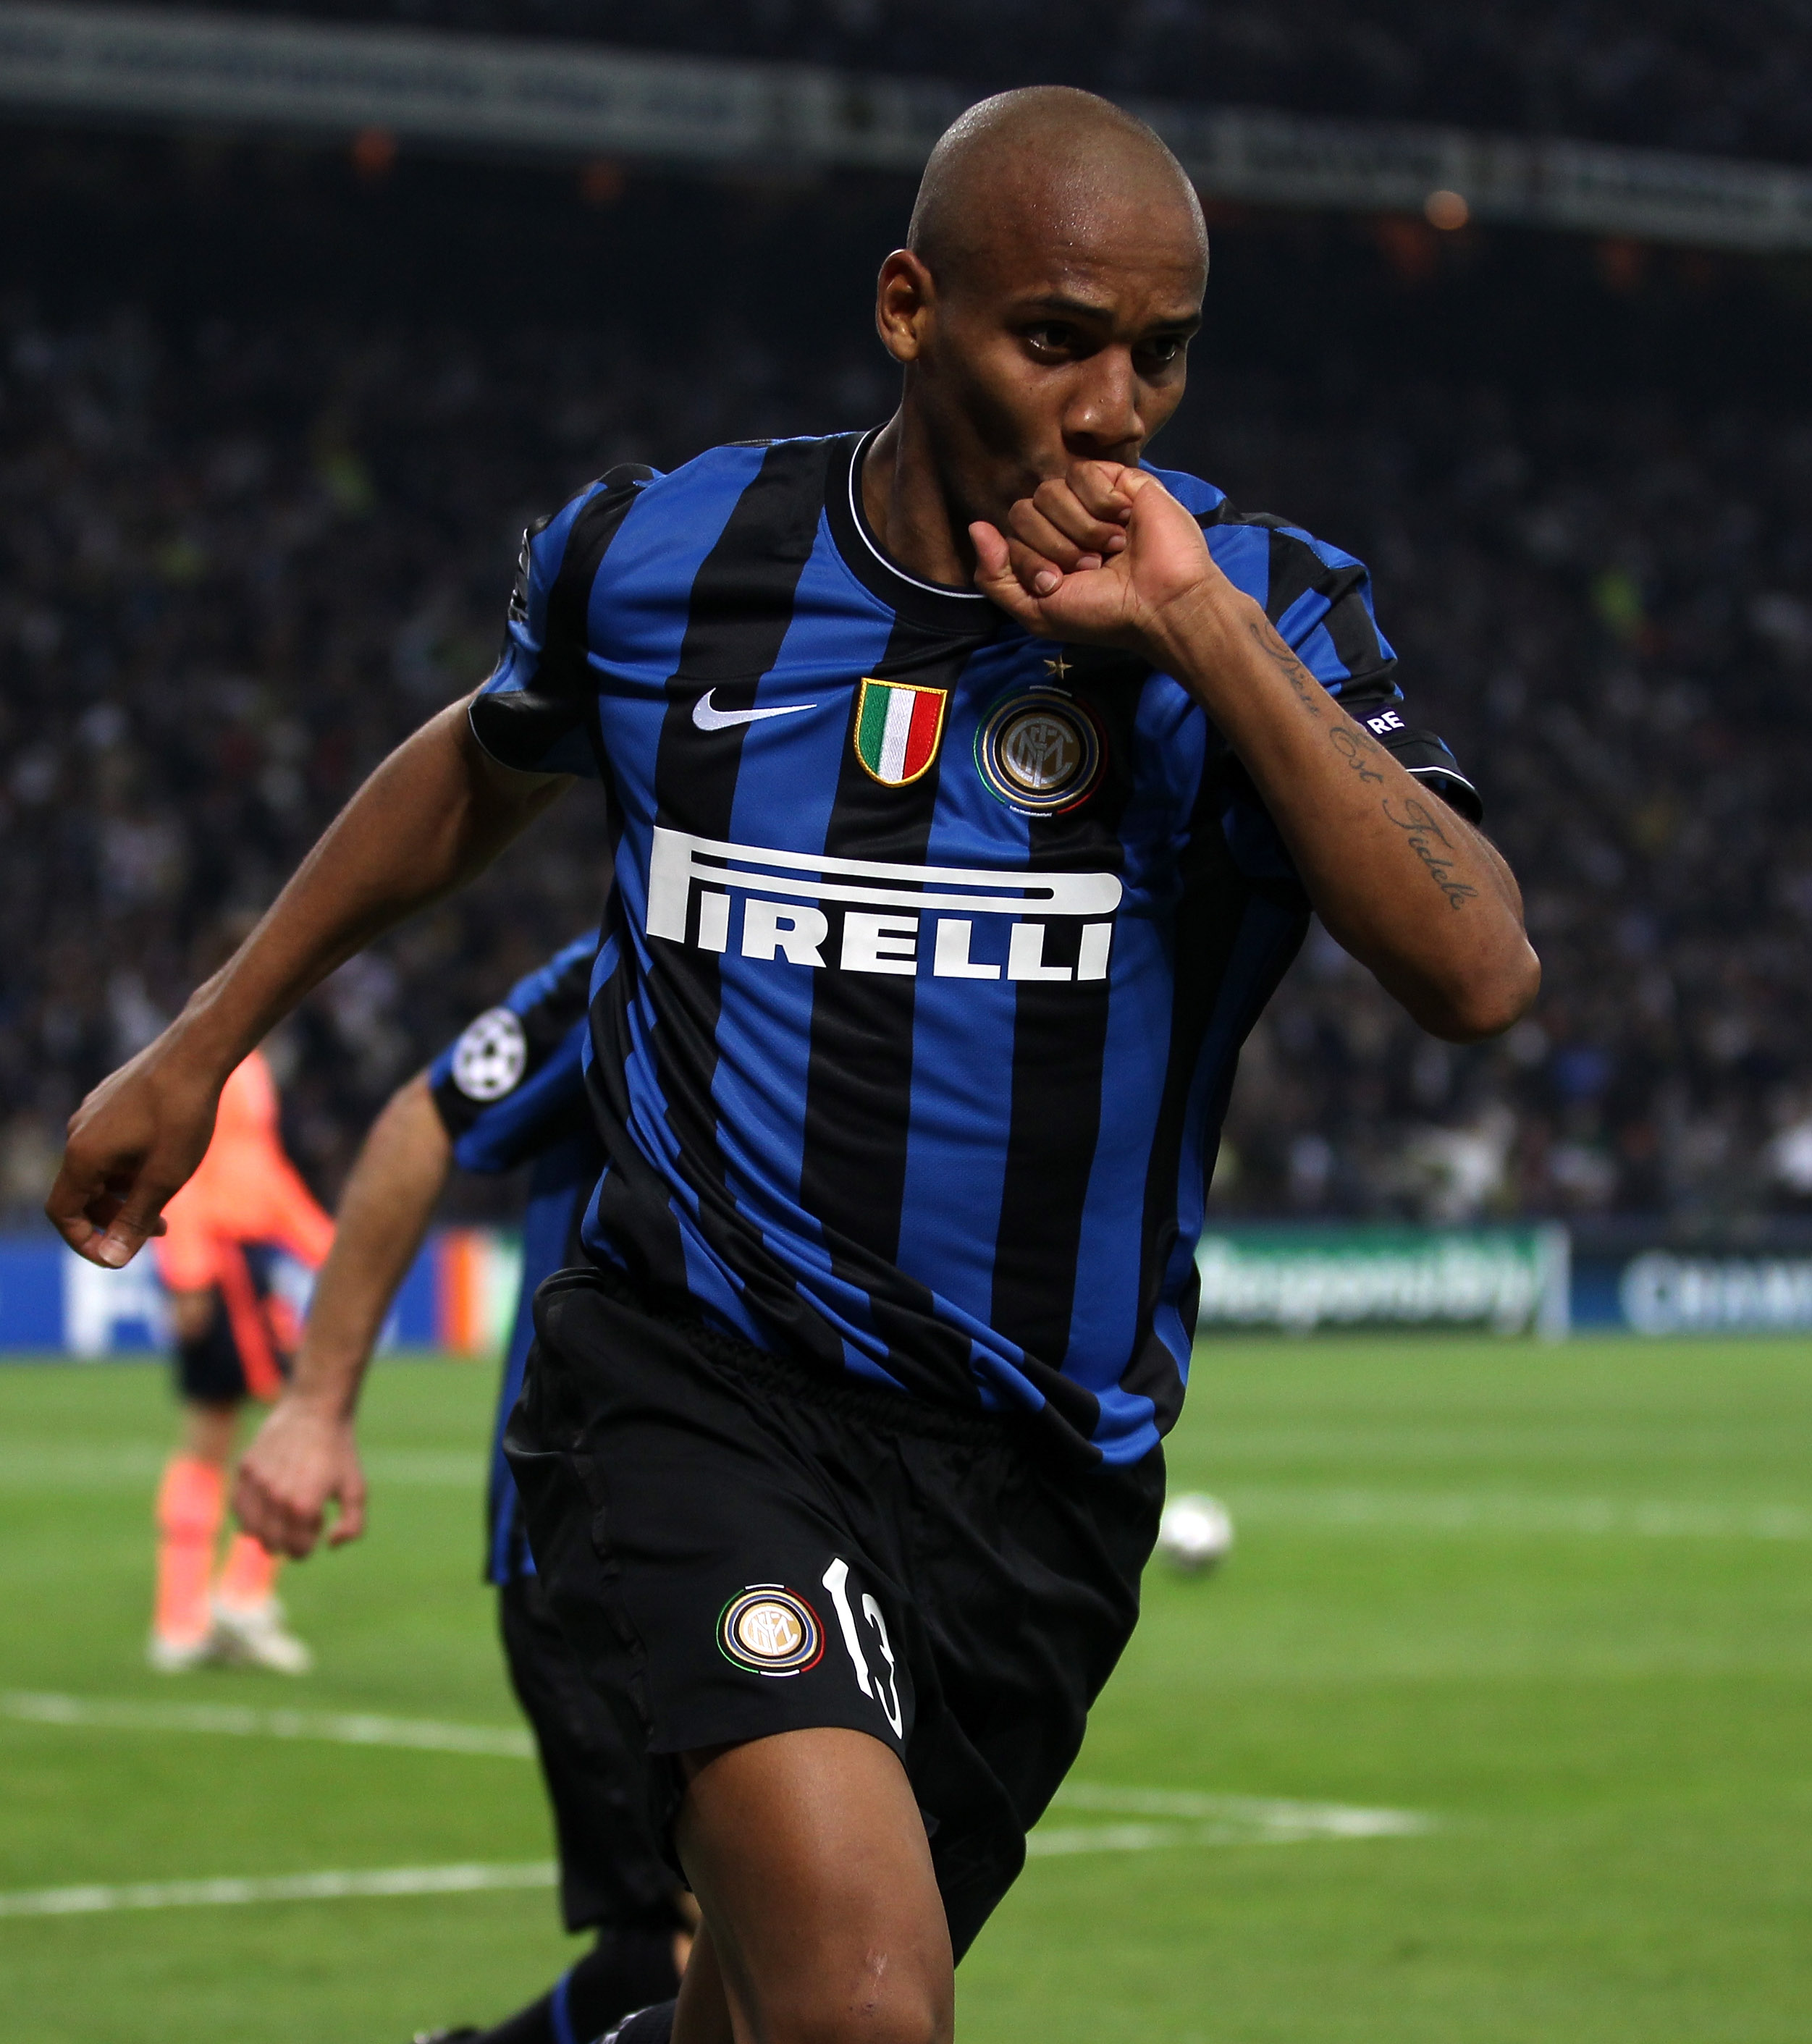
{"points": [[1492, 1727]]}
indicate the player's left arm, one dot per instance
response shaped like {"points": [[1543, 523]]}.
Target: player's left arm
{"points": [[1108, 556], [486, 1115]]}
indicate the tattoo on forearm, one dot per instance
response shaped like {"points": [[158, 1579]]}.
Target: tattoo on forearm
{"points": [[1427, 840], [1352, 746], [1431, 844], [1310, 692]]}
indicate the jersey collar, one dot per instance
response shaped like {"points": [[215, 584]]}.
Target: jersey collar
{"points": [[962, 613]]}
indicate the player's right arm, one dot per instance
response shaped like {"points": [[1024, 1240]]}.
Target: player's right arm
{"points": [[430, 819], [305, 1456]]}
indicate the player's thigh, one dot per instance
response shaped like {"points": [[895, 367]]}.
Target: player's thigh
{"points": [[808, 1855]]}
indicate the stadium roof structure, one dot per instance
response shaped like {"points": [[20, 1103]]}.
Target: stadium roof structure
{"points": [[162, 66]]}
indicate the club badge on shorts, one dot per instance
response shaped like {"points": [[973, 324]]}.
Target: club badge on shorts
{"points": [[898, 725], [490, 1057], [773, 1631], [1040, 752]]}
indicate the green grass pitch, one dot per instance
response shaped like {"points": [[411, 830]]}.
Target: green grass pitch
{"points": [[1557, 1600]]}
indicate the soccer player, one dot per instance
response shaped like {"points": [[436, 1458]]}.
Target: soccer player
{"points": [[235, 1336], [971, 786], [509, 1090]]}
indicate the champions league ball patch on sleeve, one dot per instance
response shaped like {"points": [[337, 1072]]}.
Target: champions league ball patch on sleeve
{"points": [[770, 1630], [490, 1058], [1040, 752]]}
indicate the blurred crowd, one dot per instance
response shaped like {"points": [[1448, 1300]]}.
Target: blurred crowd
{"points": [[1603, 605], [1672, 74], [239, 561], [237, 564]]}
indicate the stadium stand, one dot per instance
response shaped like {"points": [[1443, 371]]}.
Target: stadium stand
{"points": [[1730, 80], [243, 556]]}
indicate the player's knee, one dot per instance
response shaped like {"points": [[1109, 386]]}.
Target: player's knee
{"points": [[882, 2003]]}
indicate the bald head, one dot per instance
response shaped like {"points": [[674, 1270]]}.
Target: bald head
{"points": [[1049, 167], [1042, 310]]}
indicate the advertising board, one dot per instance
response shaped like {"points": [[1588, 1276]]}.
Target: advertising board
{"points": [[1296, 1279], [459, 1297]]}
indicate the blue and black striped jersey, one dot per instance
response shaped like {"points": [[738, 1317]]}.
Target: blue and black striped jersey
{"points": [[932, 945], [510, 1090]]}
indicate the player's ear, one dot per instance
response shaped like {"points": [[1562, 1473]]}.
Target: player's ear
{"points": [[903, 297]]}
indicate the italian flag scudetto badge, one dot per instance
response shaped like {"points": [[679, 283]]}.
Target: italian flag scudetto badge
{"points": [[898, 725]]}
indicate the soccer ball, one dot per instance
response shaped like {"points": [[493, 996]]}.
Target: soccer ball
{"points": [[1195, 1532]]}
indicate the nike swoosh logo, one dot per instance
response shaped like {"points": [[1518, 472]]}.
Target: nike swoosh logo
{"points": [[707, 719]]}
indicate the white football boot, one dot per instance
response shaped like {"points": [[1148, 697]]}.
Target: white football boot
{"points": [[164, 1656], [255, 1636]]}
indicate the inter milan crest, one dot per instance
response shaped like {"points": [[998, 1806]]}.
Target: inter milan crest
{"points": [[898, 726], [491, 1056], [1040, 752], [773, 1631]]}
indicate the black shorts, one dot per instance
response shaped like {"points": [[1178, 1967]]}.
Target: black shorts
{"points": [[612, 1874], [737, 1546], [209, 1370]]}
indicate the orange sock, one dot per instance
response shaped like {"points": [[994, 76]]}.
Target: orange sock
{"points": [[191, 1502], [250, 1573]]}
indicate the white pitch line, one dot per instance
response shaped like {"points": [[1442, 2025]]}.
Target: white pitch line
{"points": [[236, 1721], [1436, 1512], [469, 1879], [1229, 1819], [1206, 1819], [1277, 1815], [1060, 1842], [1240, 1820], [1219, 1820]]}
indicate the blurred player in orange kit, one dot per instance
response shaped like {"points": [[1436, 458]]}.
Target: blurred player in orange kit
{"points": [[234, 1339]]}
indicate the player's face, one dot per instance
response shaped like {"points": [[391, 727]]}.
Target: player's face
{"points": [[1068, 342]]}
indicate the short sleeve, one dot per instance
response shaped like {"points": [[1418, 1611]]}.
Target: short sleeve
{"points": [[512, 1085], [536, 712], [1320, 600]]}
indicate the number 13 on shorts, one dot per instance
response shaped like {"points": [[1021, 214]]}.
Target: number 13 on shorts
{"points": [[881, 1686]]}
